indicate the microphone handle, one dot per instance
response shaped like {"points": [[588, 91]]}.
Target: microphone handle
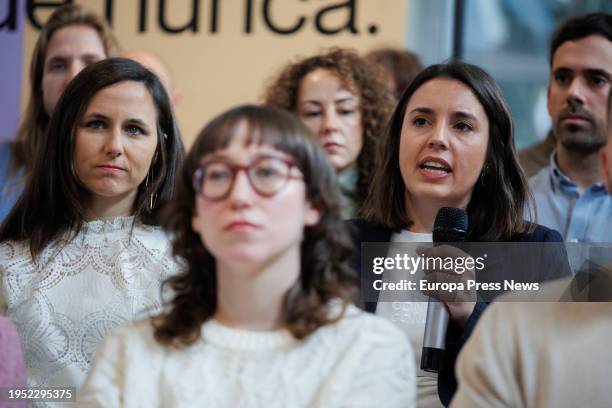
{"points": [[434, 336]]}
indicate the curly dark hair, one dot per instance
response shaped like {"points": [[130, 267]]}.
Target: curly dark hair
{"points": [[325, 250], [364, 79]]}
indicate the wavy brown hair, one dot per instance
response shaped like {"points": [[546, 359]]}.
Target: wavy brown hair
{"points": [[501, 195], [325, 250], [360, 77], [36, 119]]}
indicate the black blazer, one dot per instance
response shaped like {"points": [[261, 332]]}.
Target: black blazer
{"points": [[456, 336]]}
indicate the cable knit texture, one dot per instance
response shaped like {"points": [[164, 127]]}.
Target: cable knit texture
{"points": [[64, 304], [360, 361]]}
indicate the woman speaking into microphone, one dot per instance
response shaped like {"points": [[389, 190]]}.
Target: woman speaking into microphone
{"points": [[449, 144]]}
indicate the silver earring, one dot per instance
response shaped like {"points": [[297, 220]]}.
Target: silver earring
{"points": [[153, 196], [152, 200]]}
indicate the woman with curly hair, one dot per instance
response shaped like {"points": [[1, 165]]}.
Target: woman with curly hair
{"points": [[261, 315], [346, 104]]}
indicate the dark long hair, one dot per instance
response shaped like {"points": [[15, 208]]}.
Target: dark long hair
{"points": [[361, 77], [53, 201], [325, 249], [499, 197]]}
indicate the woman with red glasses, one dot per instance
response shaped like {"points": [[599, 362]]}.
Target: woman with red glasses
{"points": [[262, 314]]}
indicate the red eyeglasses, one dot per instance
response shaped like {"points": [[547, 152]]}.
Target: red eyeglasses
{"points": [[266, 174]]}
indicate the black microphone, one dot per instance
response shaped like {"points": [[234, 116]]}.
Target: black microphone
{"points": [[451, 225]]}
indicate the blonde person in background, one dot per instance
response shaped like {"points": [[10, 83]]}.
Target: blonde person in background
{"points": [[346, 103], [81, 251], [262, 315], [72, 39]]}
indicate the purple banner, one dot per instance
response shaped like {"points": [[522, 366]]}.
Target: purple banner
{"points": [[11, 70]]}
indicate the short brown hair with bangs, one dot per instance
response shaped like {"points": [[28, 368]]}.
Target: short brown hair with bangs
{"points": [[325, 250]]}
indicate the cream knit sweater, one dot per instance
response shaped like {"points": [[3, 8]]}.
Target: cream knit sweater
{"points": [[361, 361]]}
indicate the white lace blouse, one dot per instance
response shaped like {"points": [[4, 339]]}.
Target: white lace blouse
{"points": [[76, 292]]}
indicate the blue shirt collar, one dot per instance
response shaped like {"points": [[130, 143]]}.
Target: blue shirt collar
{"points": [[563, 183]]}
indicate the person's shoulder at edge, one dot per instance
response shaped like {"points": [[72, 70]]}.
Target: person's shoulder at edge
{"points": [[510, 346], [492, 353], [489, 354]]}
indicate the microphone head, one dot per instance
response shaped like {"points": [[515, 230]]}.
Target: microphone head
{"points": [[451, 225]]}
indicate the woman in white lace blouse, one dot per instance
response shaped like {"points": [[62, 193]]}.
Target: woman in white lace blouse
{"points": [[261, 317], [81, 250]]}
